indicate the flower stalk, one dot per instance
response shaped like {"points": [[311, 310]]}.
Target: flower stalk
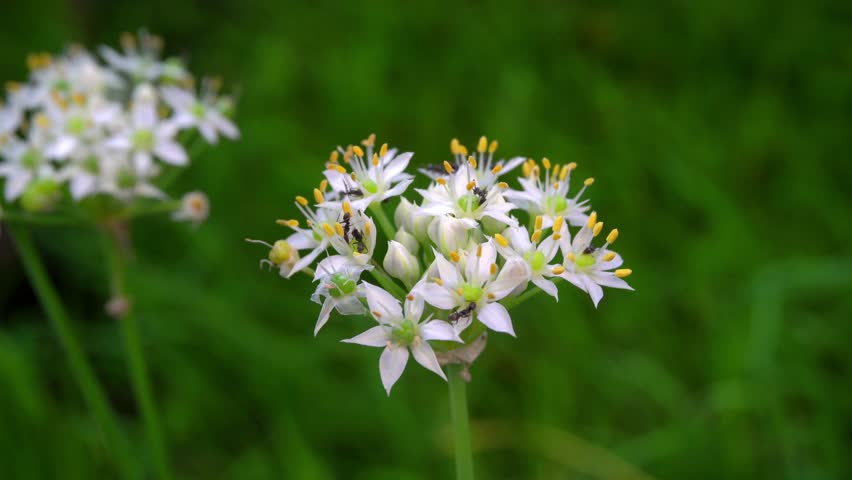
{"points": [[460, 421]]}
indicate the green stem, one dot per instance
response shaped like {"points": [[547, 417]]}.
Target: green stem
{"points": [[38, 219], [387, 226], [81, 370], [136, 360], [461, 423]]}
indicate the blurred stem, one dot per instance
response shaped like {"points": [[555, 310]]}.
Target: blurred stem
{"points": [[386, 281], [168, 206], [387, 226], [81, 370], [513, 302], [135, 358], [37, 219], [461, 422]]}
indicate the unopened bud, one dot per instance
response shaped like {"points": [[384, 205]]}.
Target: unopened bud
{"points": [[401, 264]]}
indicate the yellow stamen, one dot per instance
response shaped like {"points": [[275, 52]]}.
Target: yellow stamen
{"points": [[557, 223], [318, 196], [42, 120], [546, 162], [572, 165], [572, 257], [564, 174], [483, 145], [493, 268], [492, 147], [338, 228], [497, 169], [441, 181], [597, 230], [491, 296], [347, 208], [454, 146], [368, 226], [536, 236], [503, 185], [609, 256], [377, 314], [501, 240], [538, 221], [479, 250], [455, 256], [448, 167], [327, 229], [471, 161], [410, 298], [589, 181], [438, 281], [526, 170], [324, 185], [302, 200], [288, 223], [470, 185], [347, 155], [593, 219], [460, 291], [613, 236], [353, 176], [369, 141], [556, 185], [556, 170], [79, 99], [334, 156], [623, 272], [462, 150], [357, 150], [340, 168], [557, 236], [375, 159], [558, 270], [384, 150]]}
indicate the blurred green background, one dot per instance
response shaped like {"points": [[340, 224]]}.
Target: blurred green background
{"points": [[719, 135]]}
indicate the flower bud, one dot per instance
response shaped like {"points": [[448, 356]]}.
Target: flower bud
{"points": [[449, 234], [41, 195], [405, 217], [400, 263], [194, 207], [408, 240]]}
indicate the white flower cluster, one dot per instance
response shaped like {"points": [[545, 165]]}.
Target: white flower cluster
{"points": [[103, 127], [454, 261]]}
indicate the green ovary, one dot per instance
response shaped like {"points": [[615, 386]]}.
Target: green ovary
{"points": [[90, 164], [143, 140], [40, 196], [76, 125], [370, 186], [405, 333], [343, 285], [199, 110], [468, 203], [585, 260], [555, 203], [471, 293], [535, 260], [280, 252], [126, 179], [31, 159]]}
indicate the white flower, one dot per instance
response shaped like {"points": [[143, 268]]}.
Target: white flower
{"points": [[338, 289], [401, 332], [515, 242], [473, 283], [123, 181], [142, 61], [401, 264], [78, 124], [375, 177], [194, 207], [84, 170], [548, 195], [408, 240], [353, 235], [449, 234], [318, 234], [589, 268], [460, 196], [25, 161], [488, 171], [145, 135], [203, 112]]}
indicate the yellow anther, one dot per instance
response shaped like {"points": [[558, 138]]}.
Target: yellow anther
{"points": [[593, 219], [501, 240], [368, 227], [608, 257], [324, 185], [471, 161], [546, 162], [334, 156], [338, 228], [493, 268], [558, 270], [438, 281], [327, 229], [483, 145], [288, 223], [13, 87], [410, 298], [492, 147], [384, 150], [375, 159], [318, 196], [448, 167], [556, 170], [572, 257], [557, 223], [369, 141], [557, 236], [454, 146], [479, 250], [376, 314], [491, 296], [460, 291], [572, 165], [42, 121], [597, 229], [462, 150], [454, 256], [503, 185], [353, 176], [347, 208], [623, 272], [497, 169], [340, 168], [357, 151], [538, 222], [302, 200], [526, 169], [588, 181], [536, 236], [441, 181], [556, 185], [613, 236], [470, 185], [347, 155], [564, 174], [79, 99]]}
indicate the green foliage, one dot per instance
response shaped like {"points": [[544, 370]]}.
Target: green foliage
{"points": [[718, 135]]}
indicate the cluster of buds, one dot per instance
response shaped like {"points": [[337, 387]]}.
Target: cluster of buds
{"points": [[109, 125], [453, 262]]}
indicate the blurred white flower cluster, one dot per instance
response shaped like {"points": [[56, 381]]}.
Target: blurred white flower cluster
{"points": [[454, 259], [107, 124]]}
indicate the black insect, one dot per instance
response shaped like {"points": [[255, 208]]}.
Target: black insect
{"points": [[482, 193], [359, 240], [347, 224], [465, 312], [590, 249], [351, 190], [437, 168]]}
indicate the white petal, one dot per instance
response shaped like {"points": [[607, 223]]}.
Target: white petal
{"points": [[616, 262], [439, 296], [398, 189], [82, 185], [397, 165], [171, 152], [118, 142], [324, 315], [61, 147], [546, 285], [608, 279], [414, 308], [142, 161], [16, 184], [425, 356], [391, 365], [383, 303], [224, 125], [595, 291], [496, 317], [514, 272], [307, 260], [374, 337], [208, 132], [438, 330]]}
